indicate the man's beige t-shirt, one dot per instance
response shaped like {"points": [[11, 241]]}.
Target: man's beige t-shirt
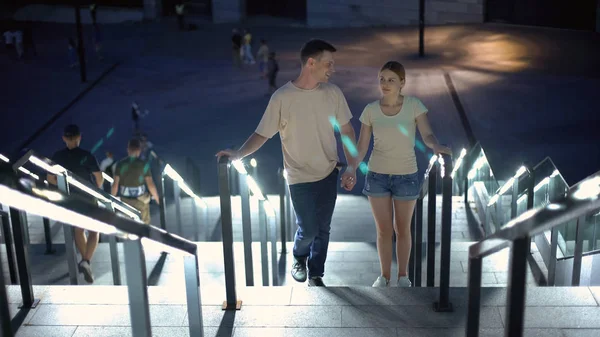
{"points": [[394, 137], [304, 120]]}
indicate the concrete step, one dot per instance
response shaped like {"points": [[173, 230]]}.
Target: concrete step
{"points": [[301, 311], [348, 264]]}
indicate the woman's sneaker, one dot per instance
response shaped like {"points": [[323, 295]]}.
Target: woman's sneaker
{"points": [[381, 282], [404, 282], [86, 269]]}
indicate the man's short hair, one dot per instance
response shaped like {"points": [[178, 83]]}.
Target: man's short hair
{"points": [[314, 48], [134, 144], [71, 131]]}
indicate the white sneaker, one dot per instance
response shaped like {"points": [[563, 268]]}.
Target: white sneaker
{"points": [[404, 282], [381, 282]]}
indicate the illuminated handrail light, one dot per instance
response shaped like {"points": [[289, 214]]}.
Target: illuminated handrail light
{"points": [[26, 171], [59, 170], [171, 173], [4, 158], [108, 178], [508, 184], [49, 210], [253, 186], [523, 197], [459, 162], [442, 166], [541, 184], [493, 200]]}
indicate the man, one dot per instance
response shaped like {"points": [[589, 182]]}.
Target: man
{"points": [[302, 111], [236, 42], [132, 175], [84, 165]]}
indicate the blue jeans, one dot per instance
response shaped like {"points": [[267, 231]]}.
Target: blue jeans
{"points": [[314, 203]]}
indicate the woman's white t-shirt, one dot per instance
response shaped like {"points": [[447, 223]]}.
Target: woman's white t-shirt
{"points": [[394, 137]]}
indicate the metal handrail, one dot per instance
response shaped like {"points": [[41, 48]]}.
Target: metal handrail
{"points": [[25, 195], [581, 200], [82, 184]]}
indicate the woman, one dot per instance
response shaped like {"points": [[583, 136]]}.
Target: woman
{"points": [[392, 183]]}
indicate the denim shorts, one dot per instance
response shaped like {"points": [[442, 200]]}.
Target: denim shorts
{"points": [[399, 187]]}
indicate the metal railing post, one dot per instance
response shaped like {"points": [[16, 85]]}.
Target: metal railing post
{"points": [[513, 200], [246, 229], [69, 236], [264, 250], [18, 221], [193, 297], [195, 207], [431, 210], [137, 288], [205, 219], [578, 253], [419, 242], [282, 211], [5, 317], [162, 206], [232, 303], [177, 196], [48, 237], [274, 262], [8, 242], [552, 261], [515, 302], [412, 257], [443, 304], [114, 255], [474, 297]]}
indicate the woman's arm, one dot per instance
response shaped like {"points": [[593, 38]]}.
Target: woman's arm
{"points": [[363, 143], [428, 137]]}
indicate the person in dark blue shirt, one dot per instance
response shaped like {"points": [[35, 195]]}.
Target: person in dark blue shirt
{"points": [[84, 165]]}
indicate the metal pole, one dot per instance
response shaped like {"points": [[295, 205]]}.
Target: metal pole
{"points": [[195, 220], [5, 316], [412, 257], [578, 254], [419, 243], [515, 302], [114, 254], [444, 305], [48, 237], [274, 264], [513, 201], [474, 299], [421, 28], [162, 206], [488, 219], [431, 209], [80, 48], [177, 196], [137, 288], [205, 219], [232, 302], [264, 254], [18, 221], [552, 261], [69, 237], [246, 230], [193, 297], [8, 242], [282, 211]]}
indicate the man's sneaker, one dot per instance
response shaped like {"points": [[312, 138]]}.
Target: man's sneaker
{"points": [[86, 269], [316, 281], [381, 282], [299, 269], [404, 282]]}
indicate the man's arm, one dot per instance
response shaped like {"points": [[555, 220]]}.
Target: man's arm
{"points": [[252, 144], [349, 144], [152, 188], [99, 179], [115, 186]]}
